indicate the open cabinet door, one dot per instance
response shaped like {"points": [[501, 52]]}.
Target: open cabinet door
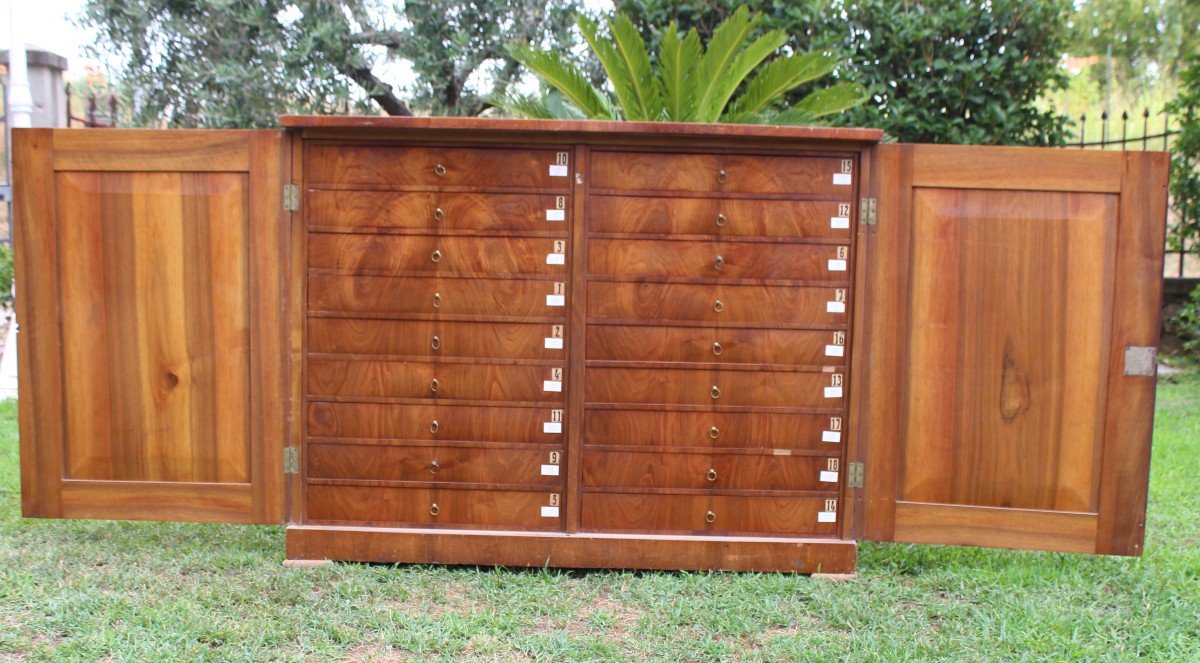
{"points": [[1013, 314], [149, 292]]}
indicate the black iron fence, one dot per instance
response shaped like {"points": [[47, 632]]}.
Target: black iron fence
{"points": [[98, 110], [1147, 130]]}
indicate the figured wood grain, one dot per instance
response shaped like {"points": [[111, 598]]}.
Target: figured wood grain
{"points": [[629, 469], [416, 422], [579, 550], [389, 211], [726, 259], [436, 338], [696, 387], [422, 255], [665, 303], [403, 379], [410, 165], [715, 216], [718, 345], [795, 176], [438, 464], [511, 298], [995, 528], [391, 506], [615, 512], [734, 430]]}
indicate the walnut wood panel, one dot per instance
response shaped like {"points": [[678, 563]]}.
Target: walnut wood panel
{"points": [[796, 516], [712, 387], [403, 379], [719, 173], [422, 255], [151, 267], [433, 464], [996, 428], [665, 303], [718, 430], [721, 345], [432, 167], [389, 211], [780, 219], [449, 507], [438, 338], [435, 423], [384, 295], [572, 551], [718, 260], [628, 469]]}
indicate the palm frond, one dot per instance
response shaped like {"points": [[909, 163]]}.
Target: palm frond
{"points": [[615, 66], [775, 79], [565, 77], [677, 62], [522, 105], [737, 71], [827, 101], [723, 49], [632, 49]]}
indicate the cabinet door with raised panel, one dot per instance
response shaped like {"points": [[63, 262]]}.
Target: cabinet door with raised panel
{"points": [[149, 271], [1012, 317]]}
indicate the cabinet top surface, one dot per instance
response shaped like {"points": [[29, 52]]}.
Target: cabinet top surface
{"points": [[520, 126]]}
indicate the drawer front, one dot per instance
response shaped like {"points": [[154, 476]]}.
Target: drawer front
{"points": [[434, 296], [434, 167], [436, 423], [721, 173], [391, 506], [428, 255], [440, 464], [712, 260], [717, 430], [795, 516], [437, 338], [664, 303], [398, 379], [713, 387], [719, 345], [384, 211], [719, 216], [625, 469]]}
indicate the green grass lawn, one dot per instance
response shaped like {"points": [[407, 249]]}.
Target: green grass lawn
{"points": [[147, 591]]}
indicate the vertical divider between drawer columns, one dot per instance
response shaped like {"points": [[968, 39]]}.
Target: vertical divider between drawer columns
{"points": [[297, 321], [851, 498], [576, 355]]}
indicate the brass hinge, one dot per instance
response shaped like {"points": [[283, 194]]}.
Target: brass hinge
{"points": [[291, 197], [291, 460], [867, 210], [854, 477]]}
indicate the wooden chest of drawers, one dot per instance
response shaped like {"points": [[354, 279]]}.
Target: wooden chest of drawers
{"points": [[589, 344]]}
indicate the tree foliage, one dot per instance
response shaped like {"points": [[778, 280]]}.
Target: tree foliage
{"points": [[943, 71], [1147, 39], [1185, 158], [226, 63], [691, 83]]}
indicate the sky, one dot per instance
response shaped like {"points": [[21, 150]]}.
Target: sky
{"points": [[47, 25]]}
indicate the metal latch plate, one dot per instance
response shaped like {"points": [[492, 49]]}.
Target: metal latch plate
{"points": [[1141, 360]]}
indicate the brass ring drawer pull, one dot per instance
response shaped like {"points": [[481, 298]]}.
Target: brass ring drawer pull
{"points": [[719, 262], [433, 385], [434, 510], [436, 256], [714, 432], [434, 426], [438, 214], [712, 474], [439, 170], [718, 306], [715, 392], [434, 467], [710, 517], [722, 177], [717, 349], [436, 343], [721, 220], [437, 300]]}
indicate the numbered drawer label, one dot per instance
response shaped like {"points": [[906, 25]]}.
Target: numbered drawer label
{"points": [[555, 340], [834, 390], [829, 515], [555, 425], [558, 253], [559, 296]]}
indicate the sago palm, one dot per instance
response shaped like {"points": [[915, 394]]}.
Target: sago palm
{"points": [[689, 84]]}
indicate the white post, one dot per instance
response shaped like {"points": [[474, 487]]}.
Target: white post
{"points": [[20, 99]]}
